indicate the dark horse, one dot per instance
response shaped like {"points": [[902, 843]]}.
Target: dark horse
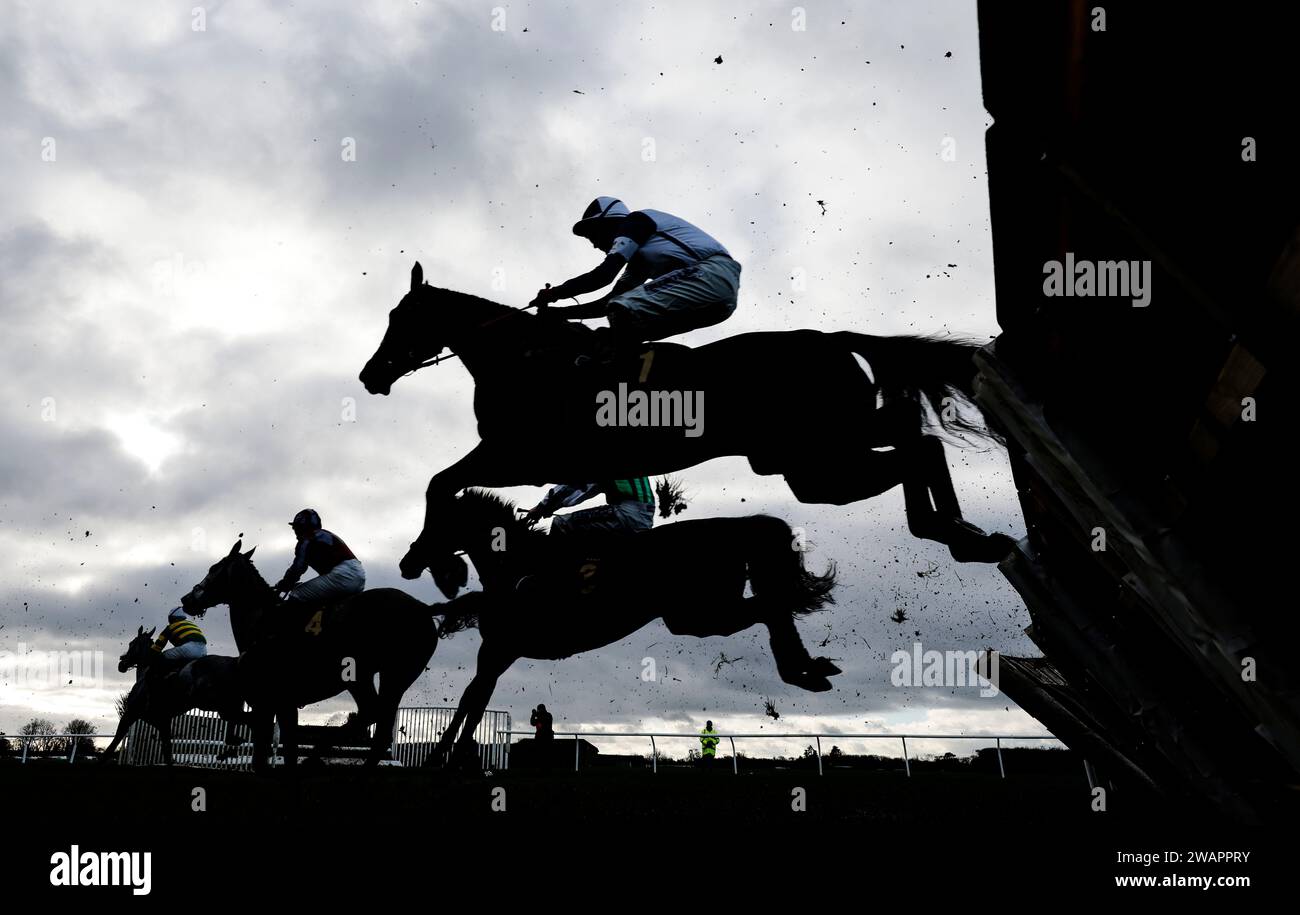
{"points": [[795, 403], [290, 656], [550, 597], [209, 683]]}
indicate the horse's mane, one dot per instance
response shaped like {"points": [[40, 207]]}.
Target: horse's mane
{"points": [[248, 567], [252, 567], [532, 325], [475, 301], [500, 510]]}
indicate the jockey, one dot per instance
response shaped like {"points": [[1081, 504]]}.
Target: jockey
{"points": [[338, 571], [677, 276], [630, 507], [186, 638]]}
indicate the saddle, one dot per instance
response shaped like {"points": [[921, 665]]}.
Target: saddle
{"points": [[593, 358], [653, 364], [300, 621], [578, 564], [164, 668]]}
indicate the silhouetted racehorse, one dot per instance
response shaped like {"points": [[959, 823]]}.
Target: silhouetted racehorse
{"points": [[796, 403], [291, 656], [159, 695], [554, 596]]}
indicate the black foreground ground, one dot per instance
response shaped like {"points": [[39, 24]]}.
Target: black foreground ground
{"points": [[930, 832]]}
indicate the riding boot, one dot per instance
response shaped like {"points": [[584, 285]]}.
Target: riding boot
{"points": [[606, 348]]}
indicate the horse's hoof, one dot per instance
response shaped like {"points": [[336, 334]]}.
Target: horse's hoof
{"points": [[465, 761], [823, 667], [811, 682], [984, 548]]}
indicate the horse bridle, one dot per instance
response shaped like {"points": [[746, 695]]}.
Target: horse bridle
{"points": [[488, 323]]}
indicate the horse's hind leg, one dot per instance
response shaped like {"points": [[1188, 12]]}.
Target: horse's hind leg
{"points": [[919, 464], [367, 700], [263, 726], [491, 665], [230, 746], [288, 718], [165, 737], [927, 478], [123, 726], [793, 662], [438, 755], [392, 687]]}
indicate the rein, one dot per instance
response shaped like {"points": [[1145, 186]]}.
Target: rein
{"points": [[436, 359]]}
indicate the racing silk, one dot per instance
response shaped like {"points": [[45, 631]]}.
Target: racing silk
{"points": [[179, 632], [708, 743], [565, 495], [322, 551], [654, 243]]}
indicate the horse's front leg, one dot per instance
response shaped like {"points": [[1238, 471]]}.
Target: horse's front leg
{"points": [[793, 662], [164, 726], [442, 488], [232, 718], [123, 726], [288, 718], [485, 465]]}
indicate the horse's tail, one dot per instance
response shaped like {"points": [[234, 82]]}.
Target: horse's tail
{"points": [[777, 572], [929, 370], [457, 615]]}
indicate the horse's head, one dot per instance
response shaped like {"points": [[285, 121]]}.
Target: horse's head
{"points": [[442, 549], [406, 344], [137, 652], [478, 523], [219, 585]]}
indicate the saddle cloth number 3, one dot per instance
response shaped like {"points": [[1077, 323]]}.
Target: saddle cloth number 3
{"points": [[587, 571]]}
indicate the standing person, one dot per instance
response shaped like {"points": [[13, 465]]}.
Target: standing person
{"points": [[708, 744], [677, 276], [544, 737], [542, 723], [338, 571]]}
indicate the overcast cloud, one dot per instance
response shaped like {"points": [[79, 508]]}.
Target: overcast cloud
{"points": [[190, 287]]}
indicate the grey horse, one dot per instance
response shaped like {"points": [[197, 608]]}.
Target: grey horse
{"points": [[159, 694]]}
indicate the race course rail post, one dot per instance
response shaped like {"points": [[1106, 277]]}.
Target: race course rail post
{"points": [[507, 734]]}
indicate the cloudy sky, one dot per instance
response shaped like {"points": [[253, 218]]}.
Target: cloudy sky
{"points": [[191, 276]]}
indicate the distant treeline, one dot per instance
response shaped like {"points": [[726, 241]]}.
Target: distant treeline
{"points": [[44, 739]]}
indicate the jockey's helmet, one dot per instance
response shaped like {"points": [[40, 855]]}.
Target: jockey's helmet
{"points": [[307, 518], [599, 213]]}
